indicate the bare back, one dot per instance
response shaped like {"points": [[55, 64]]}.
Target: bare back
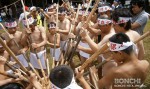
{"points": [[134, 73]]}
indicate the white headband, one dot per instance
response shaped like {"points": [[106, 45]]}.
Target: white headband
{"points": [[83, 12], [11, 24], [104, 9], [118, 47], [72, 84], [51, 26], [122, 20], [30, 21], [104, 21]]}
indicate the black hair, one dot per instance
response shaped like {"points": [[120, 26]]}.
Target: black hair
{"points": [[9, 19], [12, 86], [51, 23], [62, 9], [140, 3], [120, 38], [61, 76], [122, 12]]}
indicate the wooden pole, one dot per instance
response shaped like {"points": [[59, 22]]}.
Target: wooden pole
{"points": [[108, 59], [12, 54], [87, 21], [94, 56]]}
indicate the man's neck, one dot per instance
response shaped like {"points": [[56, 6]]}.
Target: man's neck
{"points": [[130, 58]]}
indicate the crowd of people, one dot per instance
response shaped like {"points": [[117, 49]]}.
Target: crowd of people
{"points": [[65, 32]]}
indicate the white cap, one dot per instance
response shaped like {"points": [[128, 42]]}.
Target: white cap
{"points": [[33, 8]]}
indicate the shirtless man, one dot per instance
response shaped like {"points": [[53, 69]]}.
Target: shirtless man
{"points": [[51, 39], [37, 38], [123, 24], [64, 26], [57, 82], [13, 36], [105, 24], [129, 67], [83, 15], [4, 79]]}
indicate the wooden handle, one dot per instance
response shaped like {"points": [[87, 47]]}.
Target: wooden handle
{"points": [[9, 75], [25, 13], [142, 37], [12, 54], [93, 57]]}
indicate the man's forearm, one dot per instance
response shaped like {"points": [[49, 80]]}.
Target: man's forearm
{"points": [[66, 32], [84, 84]]}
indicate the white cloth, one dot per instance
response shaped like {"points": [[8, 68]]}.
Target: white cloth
{"points": [[22, 15], [83, 54], [62, 43], [57, 53], [73, 85], [21, 59], [34, 60]]}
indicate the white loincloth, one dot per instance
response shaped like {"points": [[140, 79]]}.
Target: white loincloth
{"points": [[57, 53], [34, 60], [73, 85], [83, 54], [62, 43], [9, 72], [21, 59]]}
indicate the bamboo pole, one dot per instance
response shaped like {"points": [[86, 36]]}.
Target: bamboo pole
{"points": [[105, 47], [87, 21]]}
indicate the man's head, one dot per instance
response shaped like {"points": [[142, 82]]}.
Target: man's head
{"points": [[11, 25], [122, 19], [137, 6], [61, 13], [82, 16], [52, 27], [104, 23], [116, 2], [34, 10], [12, 86], [61, 76], [104, 8], [30, 20], [120, 46], [50, 8]]}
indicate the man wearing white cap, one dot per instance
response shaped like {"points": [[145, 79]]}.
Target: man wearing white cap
{"points": [[35, 14], [15, 36]]}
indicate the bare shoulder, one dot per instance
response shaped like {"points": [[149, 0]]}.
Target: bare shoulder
{"points": [[67, 20], [19, 32], [116, 71], [42, 29], [135, 34], [95, 26], [144, 63]]}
